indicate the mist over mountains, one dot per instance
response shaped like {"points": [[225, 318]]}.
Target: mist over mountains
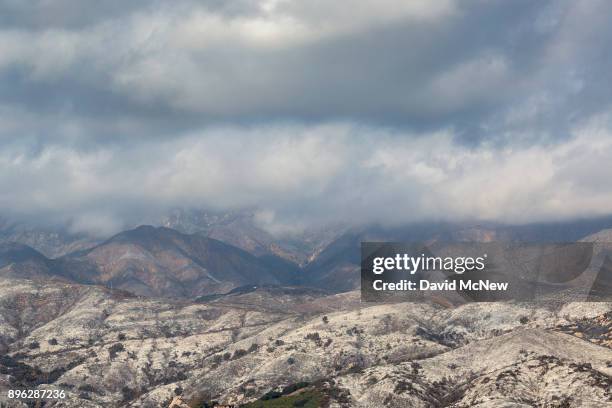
{"points": [[198, 253]]}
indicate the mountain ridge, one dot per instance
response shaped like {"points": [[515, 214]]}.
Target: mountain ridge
{"points": [[155, 261], [161, 261]]}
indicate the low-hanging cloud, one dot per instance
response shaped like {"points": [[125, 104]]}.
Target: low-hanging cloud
{"points": [[304, 175]]}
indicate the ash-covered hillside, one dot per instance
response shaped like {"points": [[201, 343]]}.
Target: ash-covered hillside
{"points": [[110, 348]]}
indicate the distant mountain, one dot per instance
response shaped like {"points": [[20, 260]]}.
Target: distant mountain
{"points": [[240, 229], [21, 261], [221, 251], [237, 228], [337, 266], [50, 241], [159, 261]]}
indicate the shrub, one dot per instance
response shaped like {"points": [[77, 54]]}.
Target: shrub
{"points": [[291, 388], [254, 347], [115, 349], [128, 393], [87, 388], [271, 395], [239, 353], [313, 336]]}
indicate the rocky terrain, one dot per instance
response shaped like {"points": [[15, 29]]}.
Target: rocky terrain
{"points": [[111, 348]]}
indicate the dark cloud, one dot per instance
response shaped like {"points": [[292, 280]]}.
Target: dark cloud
{"points": [[112, 110], [452, 63], [69, 14]]}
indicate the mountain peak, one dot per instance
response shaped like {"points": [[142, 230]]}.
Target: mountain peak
{"points": [[160, 261], [16, 252]]}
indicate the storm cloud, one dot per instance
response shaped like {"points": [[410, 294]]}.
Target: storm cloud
{"points": [[310, 111]]}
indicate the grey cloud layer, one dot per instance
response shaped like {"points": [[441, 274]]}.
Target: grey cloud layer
{"points": [[301, 108], [391, 61], [300, 175]]}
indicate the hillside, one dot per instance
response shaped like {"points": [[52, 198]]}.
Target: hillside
{"points": [[108, 348], [164, 262], [21, 261]]}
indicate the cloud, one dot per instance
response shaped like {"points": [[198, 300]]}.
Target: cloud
{"points": [[305, 175], [416, 63], [310, 111]]}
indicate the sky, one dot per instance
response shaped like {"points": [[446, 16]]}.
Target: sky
{"points": [[311, 112]]}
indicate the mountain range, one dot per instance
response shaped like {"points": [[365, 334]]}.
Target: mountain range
{"points": [[153, 261], [162, 261]]}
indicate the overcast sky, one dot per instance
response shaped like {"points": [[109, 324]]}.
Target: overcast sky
{"points": [[312, 111]]}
